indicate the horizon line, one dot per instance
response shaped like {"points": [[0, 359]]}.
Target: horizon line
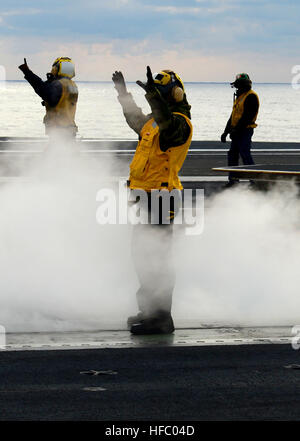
{"points": [[185, 82]]}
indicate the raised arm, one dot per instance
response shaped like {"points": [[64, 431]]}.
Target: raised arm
{"points": [[134, 116], [173, 129], [49, 91]]}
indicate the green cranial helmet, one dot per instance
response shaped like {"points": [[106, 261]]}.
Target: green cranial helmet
{"points": [[241, 80]]}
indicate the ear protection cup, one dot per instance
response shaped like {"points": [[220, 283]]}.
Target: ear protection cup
{"points": [[177, 94], [168, 81], [54, 69]]}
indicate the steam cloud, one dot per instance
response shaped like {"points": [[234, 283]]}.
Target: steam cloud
{"points": [[244, 269], [60, 270]]}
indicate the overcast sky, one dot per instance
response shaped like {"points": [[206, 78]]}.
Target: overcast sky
{"points": [[201, 40]]}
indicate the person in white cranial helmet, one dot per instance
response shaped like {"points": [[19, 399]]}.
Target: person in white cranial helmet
{"points": [[59, 93]]}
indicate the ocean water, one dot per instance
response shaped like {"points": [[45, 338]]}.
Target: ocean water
{"points": [[99, 113]]}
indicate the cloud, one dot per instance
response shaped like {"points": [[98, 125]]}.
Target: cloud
{"points": [[177, 10], [96, 61], [207, 8], [24, 11], [257, 32]]}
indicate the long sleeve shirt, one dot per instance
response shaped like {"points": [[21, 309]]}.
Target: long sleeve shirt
{"points": [[50, 90]]}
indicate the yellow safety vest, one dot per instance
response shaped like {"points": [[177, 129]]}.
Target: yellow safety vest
{"points": [[238, 109], [63, 114], [153, 169]]}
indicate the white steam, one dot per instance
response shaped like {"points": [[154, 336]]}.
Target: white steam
{"points": [[60, 270], [244, 268]]}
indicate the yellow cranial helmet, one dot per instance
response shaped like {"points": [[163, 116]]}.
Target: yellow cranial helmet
{"points": [[167, 80], [63, 67]]}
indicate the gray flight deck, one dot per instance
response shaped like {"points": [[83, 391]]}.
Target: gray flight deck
{"points": [[154, 383], [209, 373], [203, 156]]}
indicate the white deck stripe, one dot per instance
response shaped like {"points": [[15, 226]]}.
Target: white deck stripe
{"points": [[143, 342], [275, 172], [112, 336], [271, 151], [131, 151], [117, 179]]}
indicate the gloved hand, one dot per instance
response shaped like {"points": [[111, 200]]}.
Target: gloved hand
{"points": [[24, 67], [223, 137], [119, 83], [149, 86]]}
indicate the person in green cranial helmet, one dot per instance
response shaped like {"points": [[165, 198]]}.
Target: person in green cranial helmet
{"points": [[241, 123]]}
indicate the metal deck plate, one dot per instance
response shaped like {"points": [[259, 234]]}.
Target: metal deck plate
{"points": [[263, 171]]}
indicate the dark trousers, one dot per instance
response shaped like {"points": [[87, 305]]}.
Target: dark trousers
{"points": [[151, 250], [241, 146]]}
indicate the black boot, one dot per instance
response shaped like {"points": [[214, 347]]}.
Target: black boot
{"points": [[231, 183], [133, 319], [159, 323]]}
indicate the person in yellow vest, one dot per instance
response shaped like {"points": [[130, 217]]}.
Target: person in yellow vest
{"points": [[241, 123], [164, 139], [59, 94]]}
